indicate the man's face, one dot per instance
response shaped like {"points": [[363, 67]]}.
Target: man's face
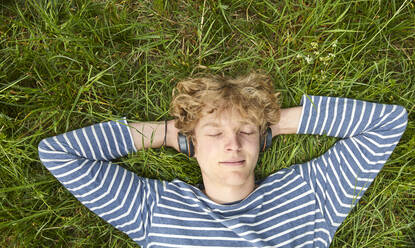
{"points": [[226, 148]]}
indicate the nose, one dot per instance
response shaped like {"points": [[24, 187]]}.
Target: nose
{"points": [[233, 142]]}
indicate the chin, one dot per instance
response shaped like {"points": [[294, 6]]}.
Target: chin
{"points": [[237, 180]]}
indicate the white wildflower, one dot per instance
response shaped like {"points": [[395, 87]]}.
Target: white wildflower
{"points": [[323, 75], [309, 59]]}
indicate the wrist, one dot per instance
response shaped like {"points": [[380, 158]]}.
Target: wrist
{"points": [[289, 121], [275, 129], [147, 134]]}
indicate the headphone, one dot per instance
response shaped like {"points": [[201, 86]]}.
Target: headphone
{"points": [[186, 145]]}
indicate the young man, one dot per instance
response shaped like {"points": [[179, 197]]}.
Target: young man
{"points": [[299, 206]]}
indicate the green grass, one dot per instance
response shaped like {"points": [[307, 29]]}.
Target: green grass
{"points": [[69, 64]]}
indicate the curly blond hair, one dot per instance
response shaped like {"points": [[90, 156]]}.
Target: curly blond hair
{"points": [[252, 95]]}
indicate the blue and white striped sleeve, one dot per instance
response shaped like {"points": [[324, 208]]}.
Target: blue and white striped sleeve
{"points": [[80, 160], [369, 132]]}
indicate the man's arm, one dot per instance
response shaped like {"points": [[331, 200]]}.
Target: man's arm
{"points": [[369, 133], [81, 161]]}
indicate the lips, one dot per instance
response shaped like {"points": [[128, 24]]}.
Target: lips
{"points": [[233, 162]]}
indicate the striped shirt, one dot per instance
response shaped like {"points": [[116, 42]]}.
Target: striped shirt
{"points": [[299, 206]]}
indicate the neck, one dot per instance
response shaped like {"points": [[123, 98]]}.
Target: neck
{"points": [[223, 194]]}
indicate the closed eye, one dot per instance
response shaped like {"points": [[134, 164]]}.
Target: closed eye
{"points": [[213, 135], [246, 133]]}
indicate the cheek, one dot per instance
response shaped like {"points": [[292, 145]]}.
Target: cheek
{"points": [[254, 147], [207, 147], [207, 156], [251, 142]]}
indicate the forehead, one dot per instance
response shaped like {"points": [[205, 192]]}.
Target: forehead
{"points": [[217, 124], [217, 119]]}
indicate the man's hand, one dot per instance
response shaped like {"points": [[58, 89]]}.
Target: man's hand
{"points": [[172, 133]]}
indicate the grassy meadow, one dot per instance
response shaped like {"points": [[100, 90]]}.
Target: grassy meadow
{"points": [[68, 64]]}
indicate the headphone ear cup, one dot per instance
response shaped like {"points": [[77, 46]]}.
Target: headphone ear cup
{"points": [[265, 142], [261, 143], [191, 148], [185, 145]]}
